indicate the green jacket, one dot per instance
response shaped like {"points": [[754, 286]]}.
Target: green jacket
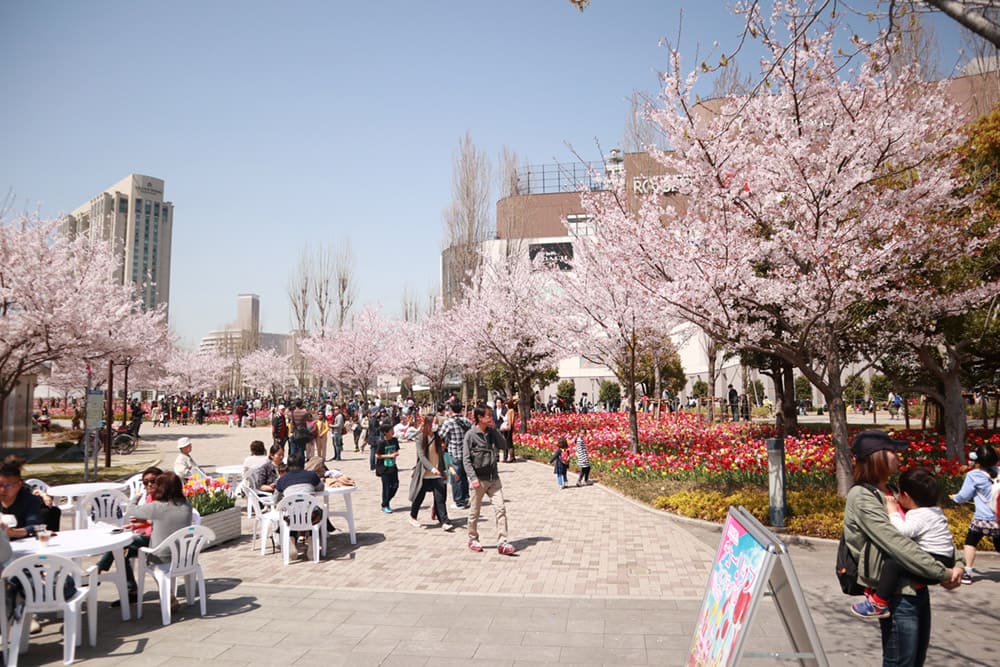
{"points": [[865, 517]]}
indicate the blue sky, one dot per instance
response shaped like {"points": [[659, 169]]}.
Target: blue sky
{"points": [[275, 125]]}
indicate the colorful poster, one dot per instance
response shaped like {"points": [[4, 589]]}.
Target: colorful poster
{"points": [[737, 578]]}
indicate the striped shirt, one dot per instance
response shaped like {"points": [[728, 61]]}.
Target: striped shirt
{"points": [[582, 459]]}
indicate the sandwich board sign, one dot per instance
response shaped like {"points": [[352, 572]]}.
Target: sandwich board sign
{"points": [[751, 562]]}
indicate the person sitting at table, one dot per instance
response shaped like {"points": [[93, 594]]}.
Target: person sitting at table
{"points": [[18, 500], [257, 458], [297, 479], [184, 465], [168, 512], [140, 537], [265, 476], [51, 514]]}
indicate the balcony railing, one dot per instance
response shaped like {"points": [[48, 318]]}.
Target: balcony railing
{"points": [[549, 178]]}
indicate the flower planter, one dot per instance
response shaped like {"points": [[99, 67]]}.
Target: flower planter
{"points": [[226, 524]]}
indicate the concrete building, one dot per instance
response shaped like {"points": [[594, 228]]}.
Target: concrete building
{"points": [[244, 335], [134, 219]]}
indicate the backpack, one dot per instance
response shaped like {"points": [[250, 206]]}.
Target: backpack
{"points": [[484, 459], [847, 564]]}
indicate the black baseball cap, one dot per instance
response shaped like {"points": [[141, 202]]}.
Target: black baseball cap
{"points": [[867, 443]]}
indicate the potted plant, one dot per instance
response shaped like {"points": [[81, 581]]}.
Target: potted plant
{"points": [[213, 500]]}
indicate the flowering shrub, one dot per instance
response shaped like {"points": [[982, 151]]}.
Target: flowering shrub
{"points": [[208, 495]]}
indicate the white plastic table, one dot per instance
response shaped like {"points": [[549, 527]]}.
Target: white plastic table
{"points": [[226, 471], [348, 513], [77, 492], [78, 544]]}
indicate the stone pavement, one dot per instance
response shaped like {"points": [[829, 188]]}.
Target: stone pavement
{"points": [[597, 579]]}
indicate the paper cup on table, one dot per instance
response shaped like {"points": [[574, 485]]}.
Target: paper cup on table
{"points": [[43, 534]]}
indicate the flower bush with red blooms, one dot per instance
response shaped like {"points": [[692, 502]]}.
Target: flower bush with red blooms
{"points": [[686, 446], [208, 495]]}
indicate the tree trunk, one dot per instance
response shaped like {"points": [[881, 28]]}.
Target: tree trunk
{"points": [[524, 404], [712, 352], [842, 455], [906, 413], [790, 414], [953, 416]]}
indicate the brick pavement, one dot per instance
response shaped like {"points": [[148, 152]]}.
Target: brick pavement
{"points": [[597, 580]]}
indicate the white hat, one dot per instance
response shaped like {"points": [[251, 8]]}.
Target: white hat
{"points": [[281, 407], [183, 442]]}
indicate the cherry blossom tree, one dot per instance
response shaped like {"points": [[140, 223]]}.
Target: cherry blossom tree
{"points": [[188, 372], [800, 204], [429, 349], [503, 319], [355, 354], [606, 321], [266, 369], [58, 300]]}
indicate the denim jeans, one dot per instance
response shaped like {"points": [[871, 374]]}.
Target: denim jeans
{"points": [[390, 484], [906, 634], [561, 479], [460, 486], [297, 446], [338, 446]]}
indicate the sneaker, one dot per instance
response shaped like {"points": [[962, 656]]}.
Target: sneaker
{"points": [[868, 609], [448, 526], [387, 510], [456, 506], [413, 522], [474, 545], [506, 549], [966, 577]]}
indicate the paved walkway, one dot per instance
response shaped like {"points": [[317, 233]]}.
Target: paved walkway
{"points": [[597, 580]]}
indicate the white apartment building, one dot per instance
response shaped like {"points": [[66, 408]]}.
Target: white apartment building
{"points": [[134, 219]]}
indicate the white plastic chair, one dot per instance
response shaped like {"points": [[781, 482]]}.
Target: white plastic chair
{"points": [[263, 516], [34, 483], [110, 507], [136, 489], [42, 579], [184, 545], [296, 515]]}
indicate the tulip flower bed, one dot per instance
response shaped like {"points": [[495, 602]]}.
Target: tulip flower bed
{"points": [[696, 468]]}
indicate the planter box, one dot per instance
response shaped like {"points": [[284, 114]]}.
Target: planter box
{"points": [[226, 524]]}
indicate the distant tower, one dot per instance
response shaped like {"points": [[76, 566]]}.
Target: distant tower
{"points": [[132, 217], [248, 312]]}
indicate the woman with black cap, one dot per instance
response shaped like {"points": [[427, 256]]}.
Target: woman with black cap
{"points": [[906, 632]]}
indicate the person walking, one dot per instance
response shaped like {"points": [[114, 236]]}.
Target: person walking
{"points": [[561, 460], [386, 453], [279, 428], [428, 475], [582, 457], [906, 631], [339, 429], [453, 432], [301, 436], [977, 486], [480, 454], [734, 403]]}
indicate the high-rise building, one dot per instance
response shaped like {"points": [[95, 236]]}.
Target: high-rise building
{"points": [[133, 218]]}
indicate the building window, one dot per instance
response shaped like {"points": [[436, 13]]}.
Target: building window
{"points": [[147, 209], [156, 209], [138, 206], [580, 224], [123, 205]]}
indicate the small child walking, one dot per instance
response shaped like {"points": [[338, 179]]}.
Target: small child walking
{"points": [[924, 523], [582, 457], [561, 460]]}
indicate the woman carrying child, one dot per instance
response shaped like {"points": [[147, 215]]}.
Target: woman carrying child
{"points": [[906, 632]]}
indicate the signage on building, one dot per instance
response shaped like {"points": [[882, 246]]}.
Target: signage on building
{"points": [[554, 255], [651, 185], [149, 189]]}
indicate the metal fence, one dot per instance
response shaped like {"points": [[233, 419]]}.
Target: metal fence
{"points": [[549, 178]]}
